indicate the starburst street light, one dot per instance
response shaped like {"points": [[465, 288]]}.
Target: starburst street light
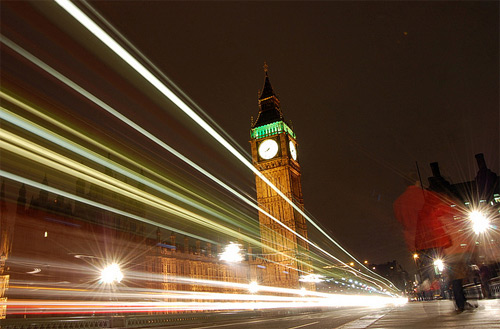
{"points": [[111, 274], [253, 287], [480, 223], [232, 253], [438, 263]]}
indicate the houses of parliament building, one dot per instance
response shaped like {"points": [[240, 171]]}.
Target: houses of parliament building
{"points": [[47, 239]]}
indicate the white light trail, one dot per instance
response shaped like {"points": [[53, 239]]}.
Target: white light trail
{"points": [[153, 80], [270, 293], [41, 186], [104, 161], [58, 307], [78, 149], [311, 278], [189, 300], [151, 65], [112, 111], [49, 158], [253, 287], [115, 113], [77, 170]]}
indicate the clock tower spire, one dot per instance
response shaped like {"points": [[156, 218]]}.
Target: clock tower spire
{"points": [[274, 154], [269, 104]]}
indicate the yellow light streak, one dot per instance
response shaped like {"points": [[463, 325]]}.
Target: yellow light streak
{"points": [[231, 301], [71, 167], [5, 114], [156, 140], [300, 302], [153, 80], [95, 204], [45, 288], [106, 162], [118, 115], [51, 159], [44, 133]]}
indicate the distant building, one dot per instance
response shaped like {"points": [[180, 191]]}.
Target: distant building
{"points": [[48, 247], [394, 272], [55, 243]]}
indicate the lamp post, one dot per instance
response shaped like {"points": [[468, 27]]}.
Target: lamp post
{"points": [[439, 265], [111, 273], [480, 222], [231, 253], [253, 287]]}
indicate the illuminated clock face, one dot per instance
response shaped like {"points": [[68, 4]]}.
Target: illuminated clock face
{"points": [[268, 149], [293, 150]]}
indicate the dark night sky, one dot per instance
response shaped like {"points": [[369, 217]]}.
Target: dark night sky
{"points": [[371, 88]]}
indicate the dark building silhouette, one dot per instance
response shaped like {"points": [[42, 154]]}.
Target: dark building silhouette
{"points": [[483, 189], [487, 182], [394, 272], [48, 244], [481, 194]]}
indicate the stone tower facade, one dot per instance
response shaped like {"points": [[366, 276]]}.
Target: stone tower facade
{"points": [[275, 155]]}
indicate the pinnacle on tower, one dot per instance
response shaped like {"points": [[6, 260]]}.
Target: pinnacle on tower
{"points": [[267, 91], [269, 104]]}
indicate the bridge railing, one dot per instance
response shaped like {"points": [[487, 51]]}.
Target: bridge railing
{"points": [[142, 321], [474, 291], [495, 287], [125, 321]]}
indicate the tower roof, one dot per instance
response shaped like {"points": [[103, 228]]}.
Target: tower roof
{"points": [[267, 91], [269, 104]]}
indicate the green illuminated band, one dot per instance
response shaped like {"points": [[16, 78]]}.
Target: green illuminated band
{"points": [[271, 129]]}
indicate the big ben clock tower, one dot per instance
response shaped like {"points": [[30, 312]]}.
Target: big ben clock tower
{"points": [[275, 155]]}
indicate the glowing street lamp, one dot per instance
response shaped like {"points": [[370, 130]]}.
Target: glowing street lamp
{"points": [[438, 263], [253, 287], [231, 253], [480, 223], [415, 256], [111, 274]]}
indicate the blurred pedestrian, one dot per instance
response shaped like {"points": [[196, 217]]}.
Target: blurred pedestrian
{"points": [[407, 207], [420, 211], [485, 275], [430, 232], [425, 288], [457, 271]]}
